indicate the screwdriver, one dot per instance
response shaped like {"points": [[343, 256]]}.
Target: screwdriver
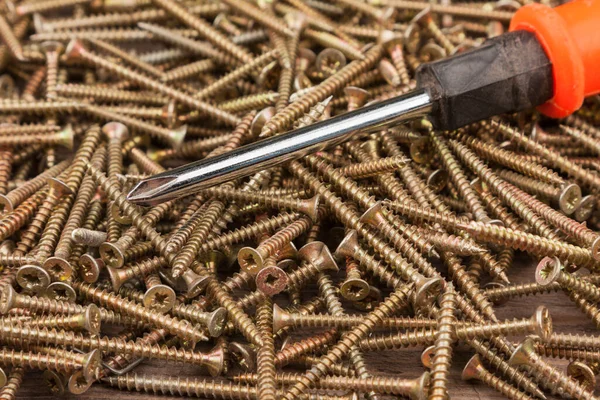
{"points": [[547, 60]]}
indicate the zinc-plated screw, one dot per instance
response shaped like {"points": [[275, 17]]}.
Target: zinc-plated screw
{"points": [[88, 237], [474, 369]]}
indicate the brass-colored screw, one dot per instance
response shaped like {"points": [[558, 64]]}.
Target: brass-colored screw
{"points": [[550, 270], [10, 39], [443, 345], [77, 50], [265, 355], [583, 373], [290, 352], [135, 61], [13, 382], [158, 297], [474, 369], [371, 168], [393, 45], [89, 320], [525, 354], [102, 94]]}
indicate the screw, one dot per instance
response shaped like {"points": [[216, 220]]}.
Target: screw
{"points": [[128, 58], [474, 369], [525, 355], [89, 320], [52, 51], [10, 39], [550, 270], [77, 51], [583, 373], [13, 382]]}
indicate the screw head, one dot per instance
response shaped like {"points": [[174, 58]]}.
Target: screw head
{"points": [[271, 280], [420, 387], [296, 20], [92, 321], [215, 361], [6, 204], [586, 208], [112, 255], [310, 207], [60, 291], [116, 277], [389, 39], [548, 270], [319, 255], [358, 95], [177, 136], [355, 289], [281, 318], [52, 46], [261, 119], [244, 354], [583, 374], [570, 198], [389, 73], [194, 283], [58, 268], [115, 130], [75, 49], [7, 298], [58, 188], [92, 362], [420, 151], [523, 353], [329, 57], [428, 289], [89, 268], [427, 356], [169, 115], [78, 384], [55, 382], [32, 278], [159, 298], [473, 368], [215, 323], [437, 180], [250, 260], [348, 246], [543, 322], [373, 216], [115, 212]]}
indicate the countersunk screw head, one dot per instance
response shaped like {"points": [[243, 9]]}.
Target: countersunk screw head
{"points": [[159, 298], [250, 260], [390, 39], [67, 135], [420, 151], [52, 46], [55, 382], [543, 322], [3, 378], [427, 356], [177, 136], [420, 387], [115, 130], [112, 255], [78, 384], [75, 49], [583, 374], [169, 115], [92, 362], [437, 180], [281, 318], [89, 268], [548, 270], [194, 283], [319, 255], [348, 246], [60, 291], [296, 20], [473, 368], [215, 322], [6, 203], [329, 57], [58, 187], [373, 216], [570, 198], [355, 289], [310, 207], [32, 278], [244, 354], [595, 248], [523, 353], [7, 299], [358, 95], [116, 276], [58, 268], [92, 321], [586, 208], [427, 290], [271, 280], [115, 212], [215, 361], [261, 119]]}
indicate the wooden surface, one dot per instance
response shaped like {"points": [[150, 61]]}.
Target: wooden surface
{"points": [[401, 363]]}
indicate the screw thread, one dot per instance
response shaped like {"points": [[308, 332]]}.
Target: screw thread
{"points": [[18, 195], [304, 346], [440, 364], [302, 275], [502, 189], [109, 94], [13, 383], [530, 185], [558, 381], [189, 251], [395, 301], [38, 361], [88, 237], [111, 300], [15, 220], [377, 268], [459, 179], [281, 238], [250, 102], [573, 283], [10, 40], [293, 111], [265, 356], [496, 208], [370, 168]]}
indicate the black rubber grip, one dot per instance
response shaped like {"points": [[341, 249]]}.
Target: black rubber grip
{"points": [[506, 74]]}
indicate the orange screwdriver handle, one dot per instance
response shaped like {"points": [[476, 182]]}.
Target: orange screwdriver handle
{"points": [[569, 36]]}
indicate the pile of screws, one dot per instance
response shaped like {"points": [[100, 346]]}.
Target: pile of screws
{"points": [[406, 236]]}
